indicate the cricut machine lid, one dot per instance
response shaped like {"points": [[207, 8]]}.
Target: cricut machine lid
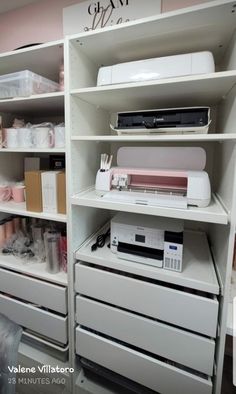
{"points": [[174, 158]]}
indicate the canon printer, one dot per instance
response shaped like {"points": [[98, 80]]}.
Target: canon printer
{"points": [[164, 121], [148, 240]]}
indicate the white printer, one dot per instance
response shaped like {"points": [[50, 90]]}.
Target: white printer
{"points": [[148, 240], [157, 68]]}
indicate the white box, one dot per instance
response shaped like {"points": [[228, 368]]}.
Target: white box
{"points": [[49, 191], [32, 164], [157, 68]]}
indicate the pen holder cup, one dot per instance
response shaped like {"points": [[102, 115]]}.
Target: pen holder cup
{"points": [[103, 181]]}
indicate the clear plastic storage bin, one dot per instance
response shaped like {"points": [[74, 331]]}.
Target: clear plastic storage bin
{"points": [[25, 83]]}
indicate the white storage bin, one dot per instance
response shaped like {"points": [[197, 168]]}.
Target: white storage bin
{"points": [[153, 373], [39, 292], [38, 320], [25, 83], [186, 348], [180, 308]]}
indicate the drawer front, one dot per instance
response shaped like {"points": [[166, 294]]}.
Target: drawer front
{"points": [[42, 322], [173, 306], [150, 372], [33, 290], [180, 346]]}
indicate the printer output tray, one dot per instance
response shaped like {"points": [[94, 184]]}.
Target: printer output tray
{"points": [[142, 198], [165, 130]]}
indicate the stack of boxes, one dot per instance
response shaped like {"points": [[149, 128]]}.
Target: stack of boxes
{"points": [[45, 191]]}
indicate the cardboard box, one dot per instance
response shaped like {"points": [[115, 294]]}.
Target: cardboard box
{"points": [[49, 191], [61, 193], [33, 191]]}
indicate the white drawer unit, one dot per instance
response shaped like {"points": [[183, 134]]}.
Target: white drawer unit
{"points": [[38, 320], [148, 371], [180, 308], [33, 290], [191, 350]]}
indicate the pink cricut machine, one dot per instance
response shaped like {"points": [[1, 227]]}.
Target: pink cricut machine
{"points": [[161, 176]]}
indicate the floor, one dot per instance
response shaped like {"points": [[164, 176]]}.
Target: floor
{"points": [[227, 386], [39, 384]]}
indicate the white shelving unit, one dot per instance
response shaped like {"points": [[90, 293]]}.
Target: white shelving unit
{"points": [[32, 268], [157, 138], [46, 103], [14, 208], [33, 150], [214, 213], [230, 310], [163, 92], [42, 60], [116, 293], [182, 310], [28, 280], [198, 272]]}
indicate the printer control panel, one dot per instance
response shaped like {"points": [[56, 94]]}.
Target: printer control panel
{"points": [[150, 238], [173, 251]]}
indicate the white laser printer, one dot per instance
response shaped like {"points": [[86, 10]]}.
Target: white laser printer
{"points": [[148, 240], [157, 68]]}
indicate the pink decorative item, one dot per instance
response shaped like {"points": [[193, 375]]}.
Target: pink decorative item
{"points": [[5, 193], [2, 233], [18, 193], [63, 251], [1, 133], [9, 227], [16, 222]]}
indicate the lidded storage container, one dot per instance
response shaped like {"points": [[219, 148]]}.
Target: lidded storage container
{"points": [[25, 83]]}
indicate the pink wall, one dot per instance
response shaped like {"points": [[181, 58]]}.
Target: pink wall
{"points": [[169, 5], [37, 22], [42, 21]]}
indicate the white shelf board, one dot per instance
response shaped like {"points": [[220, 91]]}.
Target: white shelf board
{"points": [[158, 138], [204, 89], [203, 27], [214, 213], [198, 268], [33, 150], [230, 306], [14, 208], [44, 59], [31, 268], [45, 103]]}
